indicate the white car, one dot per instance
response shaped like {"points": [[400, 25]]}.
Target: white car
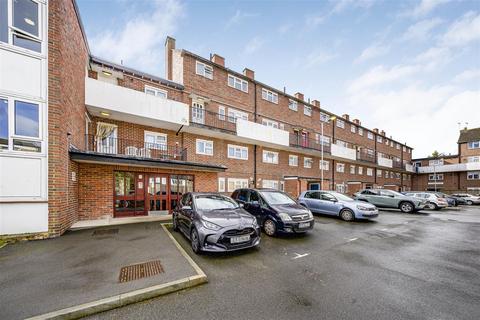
{"points": [[434, 201], [469, 198]]}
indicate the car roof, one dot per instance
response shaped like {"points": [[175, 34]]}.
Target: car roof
{"points": [[259, 189]]}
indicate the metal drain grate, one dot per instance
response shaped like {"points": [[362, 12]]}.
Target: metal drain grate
{"points": [[102, 232], [140, 270]]}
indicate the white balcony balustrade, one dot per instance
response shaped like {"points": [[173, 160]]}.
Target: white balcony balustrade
{"points": [[385, 162], [260, 133], [343, 152]]}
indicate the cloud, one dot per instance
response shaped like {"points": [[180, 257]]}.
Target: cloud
{"points": [[421, 30], [468, 75], [139, 42], [284, 28], [317, 57], [425, 7], [433, 58], [463, 31], [238, 17], [373, 51], [380, 76], [253, 45], [339, 6]]}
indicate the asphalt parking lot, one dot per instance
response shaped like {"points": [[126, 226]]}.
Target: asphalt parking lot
{"points": [[400, 266]]}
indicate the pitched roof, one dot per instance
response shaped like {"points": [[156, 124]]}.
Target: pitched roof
{"points": [[469, 135]]}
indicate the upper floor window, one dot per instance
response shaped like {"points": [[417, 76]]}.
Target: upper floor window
{"points": [[379, 139], [340, 167], [369, 172], [234, 114], [473, 159], [352, 169], [323, 165], [474, 175], [474, 145], [293, 160], [398, 146], [273, 124], [386, 174], [307, 162], [155, 140], [324, 117], [379, 173], [404, 149], [353, 129], [269, 96], [435, 176], [24, 29], [204, 70], [237, 152], [340, 123], [237, 83], [391, 143], [341, 143], [156, 92], [270, 157], [409, 150], [386, 142], [360, 131], [307, 110], [370, 135], [360, 170], [435, 162], [292, 105], [204, 147]]}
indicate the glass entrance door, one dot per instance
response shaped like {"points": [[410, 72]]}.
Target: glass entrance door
{"points": [[157, 194], [129, 197]]}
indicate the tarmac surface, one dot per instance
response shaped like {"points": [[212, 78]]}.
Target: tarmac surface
{"points": [[399, 266]]}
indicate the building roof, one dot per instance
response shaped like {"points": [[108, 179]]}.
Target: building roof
{"points": [[450, 156], [468, 135]]}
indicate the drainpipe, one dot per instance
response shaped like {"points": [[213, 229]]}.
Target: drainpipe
{"points": [[376, 162], [255, 146]]}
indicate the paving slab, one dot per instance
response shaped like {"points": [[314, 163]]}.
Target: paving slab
{"points": [[82, 267]]}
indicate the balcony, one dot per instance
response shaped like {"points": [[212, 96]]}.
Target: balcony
{"points": [[203, 118], [115, 102], [397, 164], [385, 162], [409, 167], [343, 152], [470, 166], [365, 156], [299, 141], [133, 149], [255, 132]]}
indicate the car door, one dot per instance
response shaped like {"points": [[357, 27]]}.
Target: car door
{"points": [[387, 199], [254, 206], [186, 213], [373, 197], [311, 199], [328, 203]]}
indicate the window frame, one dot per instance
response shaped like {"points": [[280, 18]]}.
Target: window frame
{"points": [[235, 80], [353, 129], [221, 181], [325, 165], [205, 142], [243, 182], [275, 159], [473, 145], [307, 160], [370, 135], [291, 103], [290, 157], [340, 123], [340, 167], [156, 90], [164, 146], [266, 93], [205, 67], [305, 108], [235, 147], [473, 175]]}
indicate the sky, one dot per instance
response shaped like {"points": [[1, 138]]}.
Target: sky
{"points": [[411, 68]]}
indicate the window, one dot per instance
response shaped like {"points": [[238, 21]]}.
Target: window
{"points": [[156, 92], [340, 123], [360, 170], [273, 124], [341, 143], [469, 159], [307, 162], [435, 162], [155, 140], [237, 83], [340, 188], [370, 135], [270, 184], [386, 174], [353, 129], [204, 70], [352, 169], [391, 174], [475, 175], [340, 167], [4, 123], [221, 113], [269, 96], [474, 145], [292, 105], [404, 149], [379, 139], [379, 173], [221, 184], [409, 150], [324, 117], [270, 157], [369, 172], [360, 131], [204, 147], [325, 140], [234, 114], [25, 22], [323, 165], [27, 119], [237, 152], [293, 160], [307, 110], [106, 138], [397, 175], [386, 142], [435, 177], [234, 183], [398, 146], [391, 143]]}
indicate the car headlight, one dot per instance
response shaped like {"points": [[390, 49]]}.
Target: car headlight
{"points": [[360, 207], [210, 225], [310, 215], [285, 217]]}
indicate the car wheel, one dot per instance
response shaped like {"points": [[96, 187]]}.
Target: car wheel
{"points": [[269, 227], [469, 202], [174, 223], [195, 240], [406, 207], [347, 215], [432, 206]]}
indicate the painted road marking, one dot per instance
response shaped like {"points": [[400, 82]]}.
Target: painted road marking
{"points": [[353, 239], [300, 255]]}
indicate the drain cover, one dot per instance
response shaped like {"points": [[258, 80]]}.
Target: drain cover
{"points": [[102, 232], [140, 270]]}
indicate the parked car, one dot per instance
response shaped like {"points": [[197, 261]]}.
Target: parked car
{"points": [[458, 200], [275, 210], [434, 201], [337, 204], [469, 198], [452, 201], [384, 198], [216, 223]]}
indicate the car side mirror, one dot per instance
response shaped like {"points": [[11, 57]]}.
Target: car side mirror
{"points": [[241, 205], [186, 208]]}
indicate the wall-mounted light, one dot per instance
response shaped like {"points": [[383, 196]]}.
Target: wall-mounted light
{"points": [[106, 73], [103, 113]]}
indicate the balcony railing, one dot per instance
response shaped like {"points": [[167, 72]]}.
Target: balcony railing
{"points": [[205, 118], [134, 149], [299, 141], [365, 156], [397, 164]]}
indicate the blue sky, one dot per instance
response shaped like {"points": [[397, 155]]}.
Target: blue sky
{"points": [[411, 68]]}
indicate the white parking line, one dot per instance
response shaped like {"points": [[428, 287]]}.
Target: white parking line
{"points": [[300, 255], [353, 239]]}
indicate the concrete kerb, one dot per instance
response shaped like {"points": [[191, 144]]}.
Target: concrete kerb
{"points": [[124, 299]]}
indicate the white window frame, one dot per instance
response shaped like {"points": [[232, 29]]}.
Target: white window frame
{"points": [[205, 147], [360, 170], [324, 117], [271, 184], [307, 162], [233, 81], [239, 149], [436, 162], [473, 159], [353, 129], [352, 169], [292, 105], [222, 113], [379, 173], [379, 139], [473, 144], [156, 145], [270, 123], [269, 96], [156, 92], [267, 155], [398, 146], [234, 114], [435, 177], [221, 184], [360, 131], [307, 110], [370, 135], [370, 172], [473, 175], [206, 74], [340, 123], [340, 167], [236, 183], [293, 160]]}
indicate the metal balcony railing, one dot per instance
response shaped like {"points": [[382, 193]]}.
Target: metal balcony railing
{"points": [[205, 118], [134, 149], [365, 156], [299, 141], [397, 164]]}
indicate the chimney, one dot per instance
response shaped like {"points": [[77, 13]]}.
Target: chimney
{"points": [[169, 47], [357, 122], [299, 96], [346, 117], [218, 59], [316, 103], [375, 130], [249, 73], [382, 133]]}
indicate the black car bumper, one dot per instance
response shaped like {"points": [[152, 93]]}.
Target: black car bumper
{"points": [[223, 242], [297, 227]]}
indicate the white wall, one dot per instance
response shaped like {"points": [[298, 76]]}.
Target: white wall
{"points": [[385, 162], [19, 218], [342, 152], [259, 132]]}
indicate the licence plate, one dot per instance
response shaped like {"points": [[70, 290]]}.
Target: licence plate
{"points": [[239, 239], [304, 225]]}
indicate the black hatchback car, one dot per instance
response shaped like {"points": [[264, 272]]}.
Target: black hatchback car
{"points": [[275, 210]]}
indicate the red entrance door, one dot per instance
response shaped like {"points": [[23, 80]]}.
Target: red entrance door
{"points": [[129, 197], [157, 194]]}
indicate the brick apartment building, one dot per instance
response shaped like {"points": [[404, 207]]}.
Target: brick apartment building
{"points": [[87, 138], [452, 173]]}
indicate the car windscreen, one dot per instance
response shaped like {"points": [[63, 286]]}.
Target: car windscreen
{"points": [[391, 192], [214, 202], [341, 196], [274, 198]]}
